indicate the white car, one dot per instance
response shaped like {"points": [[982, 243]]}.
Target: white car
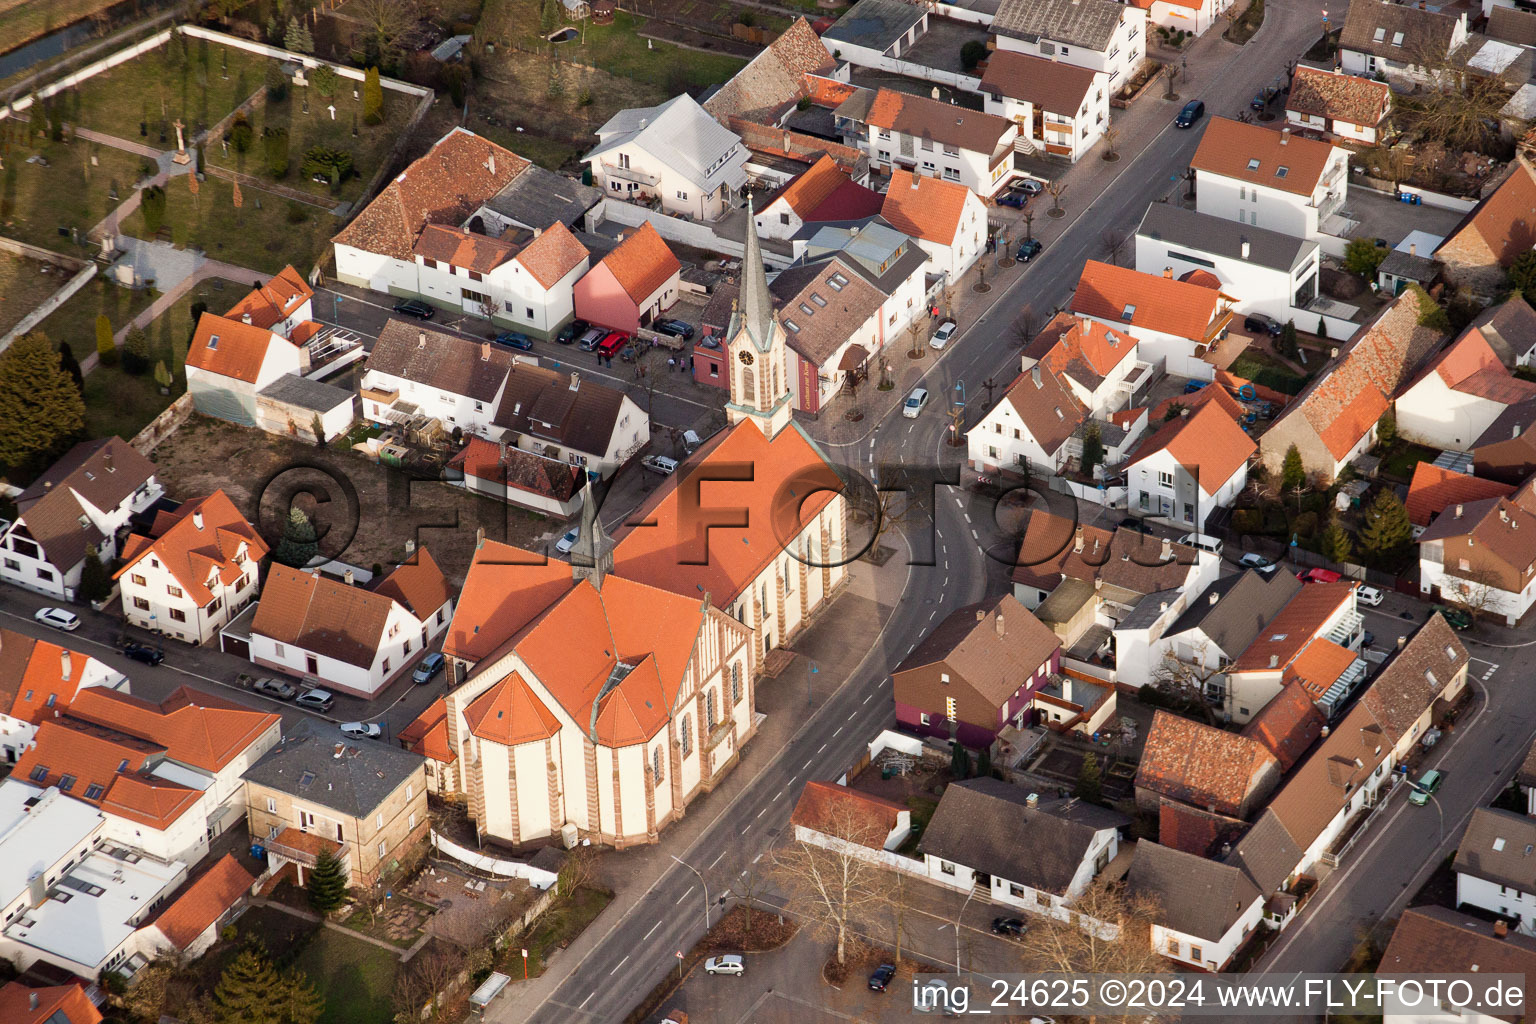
{"points": [[728, 964], [945, 332], [659, 464], [362, 730], [58, 618], [1369, 595], [915, 402], [566, 543]]}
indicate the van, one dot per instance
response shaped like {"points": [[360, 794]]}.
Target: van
{"points": [[1201, 541], [611, 345], [1193, 111]]}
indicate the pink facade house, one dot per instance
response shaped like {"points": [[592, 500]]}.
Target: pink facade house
{"points": [[632, 285]]}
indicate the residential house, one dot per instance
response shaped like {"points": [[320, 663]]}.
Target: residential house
{"points": [[230, 360], [1059, 108], [1194, 829], [1030, 854], [1428, 674], [528, 284], [1479, 250], [37, 678], [1192, 16], [948, 221], [632, 285], [562, 416], [1191, 466], [1434, 489], [822, 192], [1099, 35], [1526, 778], [976, 673], [427, 735], [1404, 266], [193, 572], [888, 259], [1399, 43], [527, 479], [74, 510], [42, 833], [536, 200], [900, 131], [365, 802], [1477, 556], [1264, 271], [1206, 909], [1056, 549], [1174, 323], [165, 776], [773, 82], [1436, 941], [847, 820], [414, 373], [1270, 179], [872, 31], [1030, 428], [1494, 867], [1348, 106], [1459, 396], [1334, 418], [1204, 766], [1507, 450], [1098, 363], [54, 1004], [1510, 328], [349, 638], [1288, 725], [675, 153], [191, 924], [282, 305], [837, 326], [1315, 640]]}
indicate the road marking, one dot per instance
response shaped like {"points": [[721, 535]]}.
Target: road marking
{"points": [[755, 860], [717, 859], [866, 699], [840, 728], [973, 535], [587, 1000], [823, 747], [762, 812], [683, 896], [616, 966], [946, 581], [781, 792], [808, 762], [946, 565], [647, 935]]}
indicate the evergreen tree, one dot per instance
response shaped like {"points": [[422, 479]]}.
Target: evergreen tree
{"points": [[71, 366], [106, 348], [373, 97], [1292, 473], [959, 760], [1387, 529], [298, 38], [274, 141], [37, 121], [327, 883], [39, 404], [136, 360], [163, 376], [1522, 275], [326, 80], [1322, 328], [252, 991], [1337, 545], [298, 545], [95, 581], [1386, 427], [1286, 343], [1089, 781], [1093, 447], [984, 763]]}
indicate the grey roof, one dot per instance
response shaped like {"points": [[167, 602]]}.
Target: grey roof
{"points": [[875, 24], [1235, 609], [1267, 854], [868, 244], [291, 389], [541, 403], [1204, 233], [682, 135], [1509, 328], [1499, 846], [1090, 23], [1198, 897], [1409, 267], [757, 315], [987, 825], [319, 765], [446, 362], [1148, 609], [1419, 33], [1515, 421], [538, 198]]}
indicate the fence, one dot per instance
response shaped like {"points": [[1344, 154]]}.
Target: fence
{"points": [[50, 304], [697, 234], [89, 71], [1279, 551], [164, 425], [537, 877]]}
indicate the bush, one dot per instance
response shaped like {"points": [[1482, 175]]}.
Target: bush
{"points": [[106, 348], [136, 359], [1362, 256], [1431, 315], [1247, 521], [297, 214], [972, 54], [373, 97], [274, 142], [335, 164], [326, 80], [241, 134], [1305, 525]]}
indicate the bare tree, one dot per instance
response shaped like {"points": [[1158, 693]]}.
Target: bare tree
{"points": [[383, 20], [1107, 930], [1054, 189], [1111, 136], [409, 995], [437, 969], [919, 340], [830, 886], [1114, 241], [1474, 590], [1025, 326], [1187, 681], [577, 870], [1029, 225]]}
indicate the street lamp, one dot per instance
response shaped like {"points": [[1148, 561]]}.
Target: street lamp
{"points": [[812, 670], [705, 884], [957, 923]]}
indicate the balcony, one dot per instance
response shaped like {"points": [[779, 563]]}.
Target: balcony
{"points": [[630, 174], [1347, 628], [304, 847]]}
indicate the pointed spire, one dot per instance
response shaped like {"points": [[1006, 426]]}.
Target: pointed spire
{"points": [[756, 304], [592, 557]]}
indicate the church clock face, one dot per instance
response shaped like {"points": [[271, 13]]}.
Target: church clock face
{"points": [[745, 357]]}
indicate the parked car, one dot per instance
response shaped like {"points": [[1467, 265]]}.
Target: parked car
{"points": [[514, 339], [430, 666], [1193, 111], [915, 402], [691, 441], [1457, 618], [1369, 595], [362, 730], [588, 340], [316, 700], [1319, 576], [275, 688], [659, 464], [1202, 541], [1132, 523], [1029, 186], [1259, 323], [882, 977], [1011, 927], [611, 344], [1367, 639], [567, 542], [677, 328], [1029, 250], [1426, 786], [1256, 561], [58, 618], [571, 331], [143, 652], [945, 332], [728, 964], [416, 308], [1017, 199]]}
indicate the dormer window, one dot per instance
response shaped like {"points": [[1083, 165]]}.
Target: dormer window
{"points": [[1429, 674], [1253, 164], [213, 342], [1128, 313], [1397, 39], [1281, 172], [1450, 652], [791, 326]]}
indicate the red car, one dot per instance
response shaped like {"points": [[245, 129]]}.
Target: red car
{"points": [[1319, 576], [610, 345]]}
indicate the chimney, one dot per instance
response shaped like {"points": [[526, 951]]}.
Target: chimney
{"points": [[575, 381], [1226, 848], [1168, 273], [1413, 248], [1167, 551], [981, 616], [1000, 631], [1402, 641], [1214, 599], [479, 537], [501, 450], [1246, 248], [245, 318], [197, 520], [65, 668], [1458, 511], [32, 1000], [1033, 800], [1077, 541], [1285, 136], [491, 164], [485, 351], [421, 339], [106, 461], [347, 578], [1274, 661], [1500, 930], [1034, 373], [934, 92], [1325, 731], [1503, 516]]}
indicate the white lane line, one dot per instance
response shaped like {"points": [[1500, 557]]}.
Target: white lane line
{"points": [[616, 966], [946, 581], [717, 859], [808, 762], [946, 565], [836, 731], [587, 1000], [823, 747], [973, 535], [866, 699], [653, 928], [781, 792], [683, 896], [762, 812], [755, 860]]}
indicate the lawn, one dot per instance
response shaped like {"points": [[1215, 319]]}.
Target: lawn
{"points": [[1264, 369], [561, 923], [140, 98], [262, 239], [75, 321], [356, 977], [120, 405], [38, 201], [1400, 458], [24, 284]]}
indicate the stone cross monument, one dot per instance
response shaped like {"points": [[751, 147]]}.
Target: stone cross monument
{"points": [[181, 157]]}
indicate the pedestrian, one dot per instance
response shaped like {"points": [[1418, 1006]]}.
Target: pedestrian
{"points": [[671, 363]]}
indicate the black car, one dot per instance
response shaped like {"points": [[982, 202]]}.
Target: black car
{"points": [[1262, 324], [677, 328], [1010, 927], [571, 331], [512, 339], [1132, 523], [1029, 250], [1193, 111], [142, 652], [882, 977], [1015, 199], [416, 308]]}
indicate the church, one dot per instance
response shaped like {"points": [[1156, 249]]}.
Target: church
{"points": [[597, 700]]}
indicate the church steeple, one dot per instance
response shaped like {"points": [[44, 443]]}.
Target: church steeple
{"points": [[759, 360], [592, 557], [756, 303]]}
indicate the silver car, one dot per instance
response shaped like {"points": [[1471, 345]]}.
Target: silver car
{"points": [[728, 964], [315, 700], [58, 618]]}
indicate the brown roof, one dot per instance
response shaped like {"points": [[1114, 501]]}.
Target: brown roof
{"points": [[1198, 897], [417, 583], [1492, 528], [1150, 301], [1125, 558], [642, 263], [1194, 829], [102, 472], [1229, 149], [846, 813], [1439, 941], [544, 404], [1288, 725], [993, 645], [476, 252], [199, 539], [443, 361], [1338, 97], [1503, 220], [948, 125], [801, 148], [1412, 681], [774, 80], [1205, 766], [322, 615], [1433, 490], [445, 186], [1046, 404], [230, 348], [824, 317], [200, 905], [552, 255], [1052, 86], [513, 467], [924, 206], [1208, 443], [1512, 25], [1326, 780], [1303, 616], [1408, 34]]}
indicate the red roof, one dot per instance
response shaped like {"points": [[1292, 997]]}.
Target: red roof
{"points": [[506, 588], [1149, 301], [925, 207], [199, 539], [844, 812], [230, 348], [275, 301], [1214, 394], [1433, 490], [1303, 616], [69, 1001], [200, 905], [642, 263], [1207, 442], [510, 713], [1288, 725], [428, 734]]}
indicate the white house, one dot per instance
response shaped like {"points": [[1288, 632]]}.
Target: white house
{"points": [[1494, 868], [1458, 397], [1481, 554], [416, 371], [1060, 108], [1206, 909], [822, 192], [1436, 941], [1269, 179], [1029, 428], [1175, 323], [76, 509], [1034, 855], [229, 361], [1191, 466], [926, 136], [1099, 35], [1097, 362], [194, 572], [675, 152], [571, 419], [846, 820], [1348, 106], [345, 637], [948, 220], [534, 481], [529, 286], [1187, 15], [1402, 43], [1264, 271], [196, 914], [38, 678]]}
